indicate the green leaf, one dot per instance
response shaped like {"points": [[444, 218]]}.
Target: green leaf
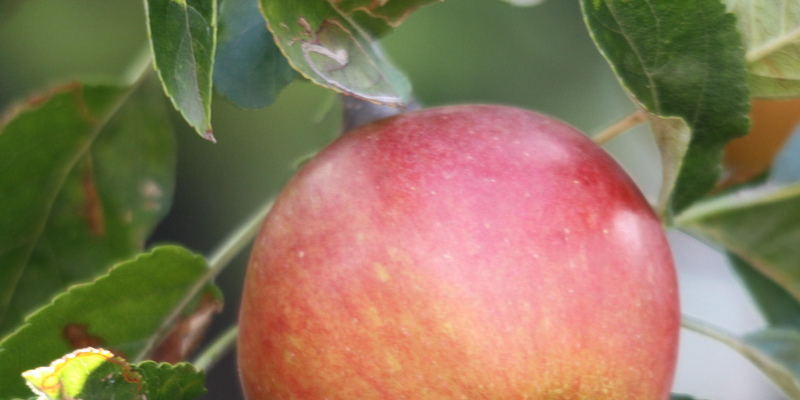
{"points": [[125, 311], [331, 50], [249, 68], [776, 352], [84, 179], [99, 374], [86, 374], [378, 18], [773, 87], [778, 307], [758, 224], [683, 62], [183, 35], [171, 382], [771, 33]]}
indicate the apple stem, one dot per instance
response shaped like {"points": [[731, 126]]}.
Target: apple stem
{"points": [[619, 127], [217, 349]]}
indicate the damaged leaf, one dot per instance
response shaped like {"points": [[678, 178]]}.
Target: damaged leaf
{"points": [[87, 173], [126, 311]]}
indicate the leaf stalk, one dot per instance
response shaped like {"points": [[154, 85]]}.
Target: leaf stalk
{"points": [[218, 349], [620, 127]]}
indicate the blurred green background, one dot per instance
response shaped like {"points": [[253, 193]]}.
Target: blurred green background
{"points": [[459, 51]]}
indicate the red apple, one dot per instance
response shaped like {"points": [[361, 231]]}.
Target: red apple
{"points": [[468, 252]]}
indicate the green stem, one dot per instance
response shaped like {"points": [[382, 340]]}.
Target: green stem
{"points": [[218, 349], [238, 240], [217, 261]]}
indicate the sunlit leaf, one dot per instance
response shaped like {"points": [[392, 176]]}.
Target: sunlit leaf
{"points": [[249, 68], [86, 374], [183, 35], [683, 62], [99, 374], [124, 311], [331, 50], [84, 180], [771, 33]]}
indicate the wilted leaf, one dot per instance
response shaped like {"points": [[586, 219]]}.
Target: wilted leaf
{"points": [[683, 62], [771, 33], [123, 311], [332, 51], [99, 374], [183, 35], [249, 68], [84, 180], [188, 330]]}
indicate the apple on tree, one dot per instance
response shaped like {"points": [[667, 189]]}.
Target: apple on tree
{"points": [[465, 252]]}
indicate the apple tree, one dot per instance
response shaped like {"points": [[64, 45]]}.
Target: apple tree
{"points": [[102, 294]]}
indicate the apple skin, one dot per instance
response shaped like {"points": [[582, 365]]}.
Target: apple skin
{"points": [[464, 252]]}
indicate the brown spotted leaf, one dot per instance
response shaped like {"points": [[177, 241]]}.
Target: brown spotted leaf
{"points": [[188, 331], [86, 374], [100, 374], [124, 311], [86, 172]]}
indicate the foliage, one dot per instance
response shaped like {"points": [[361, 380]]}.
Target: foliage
{"points": [[87, 172]]}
